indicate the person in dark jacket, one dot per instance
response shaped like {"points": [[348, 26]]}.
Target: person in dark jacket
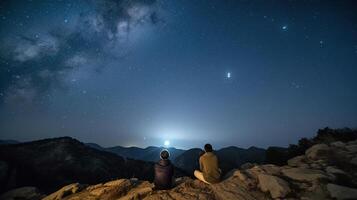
{"points": [[164, 172]]}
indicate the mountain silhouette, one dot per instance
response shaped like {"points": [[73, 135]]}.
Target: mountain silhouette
{"points": [[50, 163], [147, 154]]}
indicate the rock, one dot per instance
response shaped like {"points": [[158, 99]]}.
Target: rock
{"points": [[139, 192], [338, 144], [352, 142], [271, 169], [263, 169], [354, 160], [341, 192], [301, 174], [23, 193], [254, 172], [352, 148], [315, 166], [240, 175], [334, 170], [251, 183], [297, 161], [4, 168], [65, 191], [247, 166], [316, 192], [276, 186], [180, 180], [233, 189], [113, 188], [318, 151], [321, 162]]}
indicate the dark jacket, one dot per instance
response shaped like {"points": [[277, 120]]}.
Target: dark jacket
{"points": [[164, 172]]}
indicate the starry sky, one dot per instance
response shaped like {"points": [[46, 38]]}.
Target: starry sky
{"points": [[140, 72]]}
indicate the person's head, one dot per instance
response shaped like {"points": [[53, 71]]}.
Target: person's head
{"points": [[208, 148], [164, 154]]}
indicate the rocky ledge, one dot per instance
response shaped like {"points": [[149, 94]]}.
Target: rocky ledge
{"points": [[326, 171]]}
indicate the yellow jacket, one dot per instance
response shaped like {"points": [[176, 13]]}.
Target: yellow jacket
{"points": [[209, 167]]}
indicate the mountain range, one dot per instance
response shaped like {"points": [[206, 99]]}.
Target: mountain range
{"points": [[187, 160], [51, 163]]}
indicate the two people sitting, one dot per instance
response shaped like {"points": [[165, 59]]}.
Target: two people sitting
{"points": [[209, 171]]}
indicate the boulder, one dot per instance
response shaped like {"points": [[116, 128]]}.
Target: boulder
{"points": [[247, 166], [139, 192], [354, 160], [65, 191], [341, 192], [334, 170], [23, 193], [113, 188], [240, 175], [352, 148], [352, 142], [251, 183], [338, 144], [271, 169], [276, 186], [302, 174], [298, 161], [318, 151], [315, 166], [254, 172]]}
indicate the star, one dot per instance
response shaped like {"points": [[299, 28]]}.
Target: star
{"points": [[285, 27], [228, 75]]}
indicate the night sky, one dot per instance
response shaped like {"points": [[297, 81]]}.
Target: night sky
{"points": [[137, 73]]}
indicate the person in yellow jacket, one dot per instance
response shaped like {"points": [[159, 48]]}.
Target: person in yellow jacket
{"points": [[209, 171]]}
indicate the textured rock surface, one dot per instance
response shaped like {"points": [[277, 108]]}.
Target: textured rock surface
{"points": [[302, 174], [24, 193], [318, 151], [275, 185], [65, 191], [341, 192], [297, 161]]}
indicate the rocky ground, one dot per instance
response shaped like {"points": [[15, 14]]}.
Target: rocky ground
{"points": [[324, 172]]}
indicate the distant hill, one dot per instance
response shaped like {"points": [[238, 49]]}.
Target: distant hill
{"points": [[188, 161], [2, 142], [95, 146], [51, 163], [151, 153], [233, 157]]}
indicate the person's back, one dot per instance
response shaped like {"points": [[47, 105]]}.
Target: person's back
{"points": [[209, 167], [164, 172], [209, 170]]}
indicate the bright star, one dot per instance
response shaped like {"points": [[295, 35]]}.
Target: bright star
{"points": [[228, 75]]}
